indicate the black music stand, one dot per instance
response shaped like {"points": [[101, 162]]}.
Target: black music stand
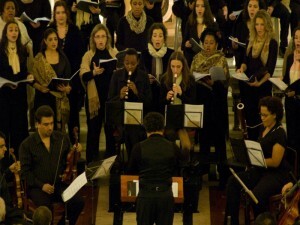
{"points": [[184, 116]]}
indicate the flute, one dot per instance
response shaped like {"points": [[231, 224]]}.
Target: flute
{"points": [[174, 83], [128, 82]]}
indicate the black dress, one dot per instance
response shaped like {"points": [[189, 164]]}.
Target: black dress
{"points": [[250, 96]]}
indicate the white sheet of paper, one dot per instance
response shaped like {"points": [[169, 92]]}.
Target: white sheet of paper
{"points": [[175, 189], [240, 76], [133, 113], [193, 115], [74, 187], [278, 82]]}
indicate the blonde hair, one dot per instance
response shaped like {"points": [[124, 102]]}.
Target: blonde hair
{"points": [[94, 31]]}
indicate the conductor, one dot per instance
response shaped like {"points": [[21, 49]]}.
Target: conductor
{"points": [[155, 160]]}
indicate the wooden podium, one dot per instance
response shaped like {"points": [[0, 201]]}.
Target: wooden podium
{"points": [[127, 178]]}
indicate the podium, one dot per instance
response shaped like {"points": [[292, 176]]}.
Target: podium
{"points": [[184, 116], [124, 113], [127, 180]]}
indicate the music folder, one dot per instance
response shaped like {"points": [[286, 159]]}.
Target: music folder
{"points": [[186, 115]]}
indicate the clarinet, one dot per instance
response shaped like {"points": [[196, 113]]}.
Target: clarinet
{"points": [[128, 82], [241, 114], [174, 83]]}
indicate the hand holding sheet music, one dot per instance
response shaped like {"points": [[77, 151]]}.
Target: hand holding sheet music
{"points": [[56, 81], [237, 42]]}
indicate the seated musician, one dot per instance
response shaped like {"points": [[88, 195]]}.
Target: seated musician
{"points": [[43, 157], [8, 214], [155, 160], [264, 182]]}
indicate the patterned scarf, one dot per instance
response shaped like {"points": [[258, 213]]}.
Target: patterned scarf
{"points": [[13, 58], [43, 73], [138, 26]]}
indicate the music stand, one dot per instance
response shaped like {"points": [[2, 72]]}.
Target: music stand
{"points": [[97, 170], [181, 116]]}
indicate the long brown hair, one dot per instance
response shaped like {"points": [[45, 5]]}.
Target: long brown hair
{"points": [[208, 17], [177, 55], [67, 11]]}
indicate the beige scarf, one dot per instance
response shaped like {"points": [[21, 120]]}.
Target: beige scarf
{"points": [[43, 73], [295, 70], [138, 26], [13, 58], [92, 93], [260, 48]]}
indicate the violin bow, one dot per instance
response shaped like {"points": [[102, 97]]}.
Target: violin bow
{"points": [[62, 143]]}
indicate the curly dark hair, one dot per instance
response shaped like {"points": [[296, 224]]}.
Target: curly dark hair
{"points": [[212, 32], [153, 122], [274, 105]]}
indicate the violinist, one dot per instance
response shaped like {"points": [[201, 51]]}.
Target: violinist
{"points": [[13, 215], [43, 160]]}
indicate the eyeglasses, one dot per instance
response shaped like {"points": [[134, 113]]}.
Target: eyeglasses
{"points": [[100, 37], [264, 115]]}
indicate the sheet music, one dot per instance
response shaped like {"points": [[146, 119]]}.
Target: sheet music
{"points": [[240, 76], [279, 83], [217, 73], [255, 153], [193, 116], [74, 187], [133, 113], [199, 76], [175, 189], [104, 168], [236, 13]]}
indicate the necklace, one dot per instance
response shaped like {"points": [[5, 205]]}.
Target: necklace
{"points": [[63, 40]]}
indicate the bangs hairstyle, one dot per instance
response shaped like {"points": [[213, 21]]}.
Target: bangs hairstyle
{"points": [[21, 50], [157, 26], [67, 11], [98, 27], [261, 5], [208, 18], [177, 55], [274, 105]]}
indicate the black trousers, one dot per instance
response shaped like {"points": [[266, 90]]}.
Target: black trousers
{"points": [[155, 207], [263, 183], [74, 205]]}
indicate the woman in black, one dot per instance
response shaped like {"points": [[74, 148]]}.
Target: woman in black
{"points": [[13, 101], [259, 63], [70, 40], [155, 59], [133, 28], [264, 182], [96, 77], [292, 98]]}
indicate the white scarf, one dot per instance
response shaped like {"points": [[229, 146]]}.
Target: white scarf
{"points": [[157, 54], [13, 58]]}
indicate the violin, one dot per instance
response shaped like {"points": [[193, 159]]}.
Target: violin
{"points": [[70, 172], [292, 211], [17, 181]]}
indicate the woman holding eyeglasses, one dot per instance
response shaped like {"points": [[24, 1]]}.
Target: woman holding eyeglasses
{"points": [[96, 77], [264, 182]]}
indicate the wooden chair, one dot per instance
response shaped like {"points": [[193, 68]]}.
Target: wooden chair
{"points": [[58, 210]]}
